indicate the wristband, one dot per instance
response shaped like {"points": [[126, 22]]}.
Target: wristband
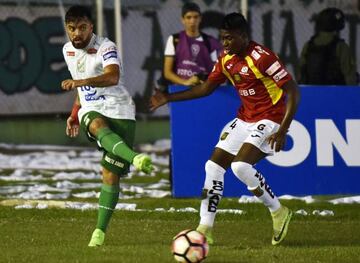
{"points": [[74, 112]]}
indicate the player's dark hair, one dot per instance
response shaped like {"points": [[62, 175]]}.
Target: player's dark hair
{"points": [[77, 12], [235, 21], [190, 7]]}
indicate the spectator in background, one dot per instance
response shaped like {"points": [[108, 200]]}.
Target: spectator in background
{"points": [[189, 54], [326, 59]]}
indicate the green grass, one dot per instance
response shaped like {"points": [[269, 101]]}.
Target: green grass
{"points": [[55, 235]]}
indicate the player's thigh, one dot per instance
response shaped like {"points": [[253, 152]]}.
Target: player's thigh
{"points": [[88, 119], [124, 128], [232, 136], [249, 153]]}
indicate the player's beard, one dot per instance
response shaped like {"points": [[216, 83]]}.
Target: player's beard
{"points": [[80, 44]]}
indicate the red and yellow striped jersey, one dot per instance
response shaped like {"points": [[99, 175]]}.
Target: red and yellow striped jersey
{"points": [[258, 78]]}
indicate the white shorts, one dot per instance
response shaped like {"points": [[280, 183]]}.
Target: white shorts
{"points": [[237, 132]]}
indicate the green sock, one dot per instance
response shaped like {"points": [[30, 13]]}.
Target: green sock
{"points": [[109, 197], [113, 143]]}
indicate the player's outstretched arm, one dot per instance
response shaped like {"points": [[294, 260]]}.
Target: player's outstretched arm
{"points": [[277, 139], [202, 90]]}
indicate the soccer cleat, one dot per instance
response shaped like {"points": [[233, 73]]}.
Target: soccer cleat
{"points": [[97, 238], [281, 219], [142, 162], [207, 232]]}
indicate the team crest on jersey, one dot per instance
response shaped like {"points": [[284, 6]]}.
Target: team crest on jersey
{"points": [[224, 135], [81, 65], [244, 70], [237, 77], [195, 49], [70, 53]]}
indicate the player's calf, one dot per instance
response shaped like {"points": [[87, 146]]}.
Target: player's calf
{"points": [[212, 194]]}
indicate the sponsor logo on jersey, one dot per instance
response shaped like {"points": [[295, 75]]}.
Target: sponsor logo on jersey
{"points": [[106, 50], [282, 73], [273, 68], [70, 53], [255, 55], [92, 51], [185, 72], [91, 93], [261, 50], [110, 54], [247, 92], [229, 66]]}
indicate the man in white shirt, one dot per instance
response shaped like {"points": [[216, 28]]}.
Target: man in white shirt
{"points": [[190, 54], [103, 108]]}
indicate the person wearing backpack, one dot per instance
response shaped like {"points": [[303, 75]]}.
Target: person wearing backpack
{"points": [[326, 59], [189, 54]]}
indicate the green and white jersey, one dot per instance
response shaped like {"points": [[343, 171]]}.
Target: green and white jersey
{"points": [[113, 101]]}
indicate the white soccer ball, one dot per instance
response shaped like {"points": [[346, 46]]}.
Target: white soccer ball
{"points": [[189, 246]]}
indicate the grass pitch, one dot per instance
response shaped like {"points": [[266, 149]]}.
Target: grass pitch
{"points": [[61, 235]]}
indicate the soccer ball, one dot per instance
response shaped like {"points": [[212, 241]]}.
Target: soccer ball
{"points": [[189, 246]]}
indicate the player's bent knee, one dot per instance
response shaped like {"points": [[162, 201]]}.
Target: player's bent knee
{"points": [[246, 173], [109, 177], [96, 125]]}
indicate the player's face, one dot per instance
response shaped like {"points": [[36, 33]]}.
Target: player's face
{"points": [[234, 42], [79, 32], [191, 21]]}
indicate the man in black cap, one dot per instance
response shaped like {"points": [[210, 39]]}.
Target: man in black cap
{"points": [[326, 59]]}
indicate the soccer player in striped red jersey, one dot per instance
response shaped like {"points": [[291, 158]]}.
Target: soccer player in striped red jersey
{"points": [[269, 98]]}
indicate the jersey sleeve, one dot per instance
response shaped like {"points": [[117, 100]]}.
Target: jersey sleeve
{"points": [[217, 75], [109, 54], [271, 66], [65, 55], [169, 48]]}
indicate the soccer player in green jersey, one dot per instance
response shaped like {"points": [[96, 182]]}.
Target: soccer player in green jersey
{"points": [[103, 108]]}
